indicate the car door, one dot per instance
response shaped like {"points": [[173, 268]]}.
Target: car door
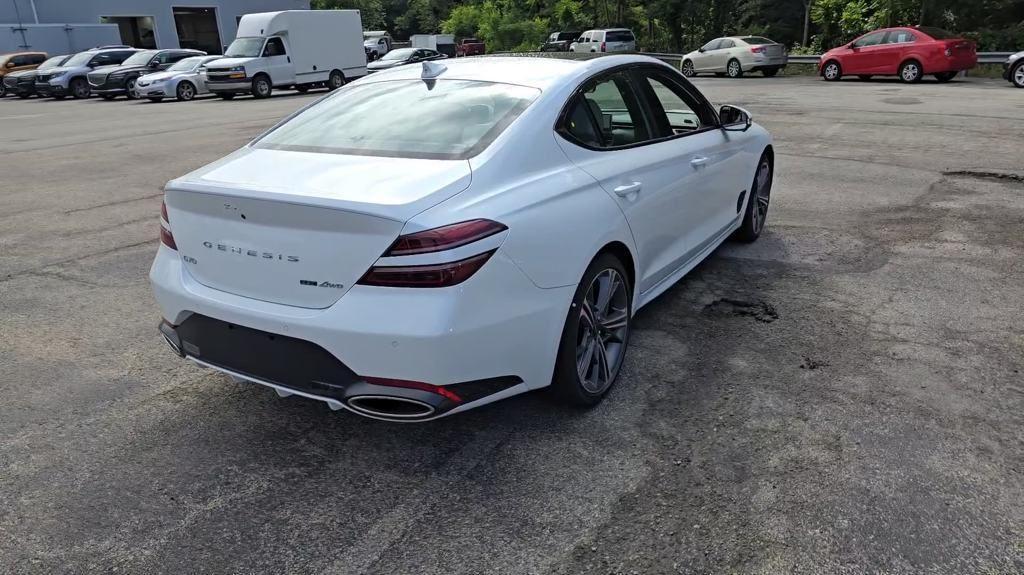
{"points": [[898, 45], [702, 60], [721, 54], [608, 134], [864, 54], [279, 63]]}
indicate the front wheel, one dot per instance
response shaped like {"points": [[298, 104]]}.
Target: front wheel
{"points": [[1017, 75], [130, 87], [688, 69], [733, 69], [595, 335], [910, 72], [79, 88], [261, 87], [756, 213], [832, 72], [186, 91]]}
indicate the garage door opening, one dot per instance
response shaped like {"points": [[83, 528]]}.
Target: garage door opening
{"points": [[197, 29], [136, 31]]}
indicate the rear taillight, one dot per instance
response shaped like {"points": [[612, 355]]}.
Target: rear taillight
{"points": [[758, 49], [166, 238], [444, 238], [438, 389], [604, 47], [426, 276]]}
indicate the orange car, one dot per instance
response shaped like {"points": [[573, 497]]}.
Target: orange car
{"points": [[16, 62]]}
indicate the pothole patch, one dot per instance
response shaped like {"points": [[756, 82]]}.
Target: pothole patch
{"points": [[984, 175], [760, 310]]}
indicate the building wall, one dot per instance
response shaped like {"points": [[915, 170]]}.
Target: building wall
{"points": [[90, 11], [57, 39]]}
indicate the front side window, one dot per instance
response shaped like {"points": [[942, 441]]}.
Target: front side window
{"points": [[726, 44], [275, 47], [613, 110], [873, 39], [441, 119], [678, 113], [712, 45]]}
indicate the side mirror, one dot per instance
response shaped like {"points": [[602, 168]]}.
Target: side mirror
{"points": [[701, 49], [9, 64], [153, 65], [733, 119]]}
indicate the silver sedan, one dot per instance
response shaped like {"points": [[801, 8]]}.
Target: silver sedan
{"points": [[182, 81], [736, 55]]}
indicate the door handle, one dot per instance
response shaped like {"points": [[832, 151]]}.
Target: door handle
{"points": [[699, 161], [627, 189]]}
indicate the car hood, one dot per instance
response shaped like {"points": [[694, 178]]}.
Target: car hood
{"points": [[161, 76], [21, 73], [222, 63], [119, 69], [385, 64]]}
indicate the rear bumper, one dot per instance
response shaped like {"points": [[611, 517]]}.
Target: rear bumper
{"points": [[443, 337]]}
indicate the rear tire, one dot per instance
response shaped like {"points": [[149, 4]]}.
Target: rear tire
{"points": [[79, 88], [832, 71], [596, 328], [911, 72], [335, 81], [770, 72], [186, 91], [944, 77], [756, 212], [733, 69], [261, 87]]}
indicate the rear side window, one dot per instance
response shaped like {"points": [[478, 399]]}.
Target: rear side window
{"points": [[614, 113], [901, 37], [440, 120], [619, 36]]}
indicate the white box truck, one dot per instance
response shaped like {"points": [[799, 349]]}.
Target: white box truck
{"points": [[443, 43], [295, 48]]}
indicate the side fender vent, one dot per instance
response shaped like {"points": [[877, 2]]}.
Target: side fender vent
{"points": [[739, 201]]}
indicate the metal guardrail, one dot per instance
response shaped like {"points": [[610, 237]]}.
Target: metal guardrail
{"points": [[983, 57]]}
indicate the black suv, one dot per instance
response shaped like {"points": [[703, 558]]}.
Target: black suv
{"points": [[559, 41], [110, 82]]}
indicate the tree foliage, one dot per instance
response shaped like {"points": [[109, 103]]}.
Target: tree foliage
{"points": [[682, 25]]}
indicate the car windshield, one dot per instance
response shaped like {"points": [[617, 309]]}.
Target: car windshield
{"points": [[441, 120], [570, 36], [245, 48], [618, 36], [757, 41], [186, 65], [52, 62], [80, 59], [139, 58], [400, 54], [938, 33]]}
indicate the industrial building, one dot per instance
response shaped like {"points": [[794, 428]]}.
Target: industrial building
{"points": [[65, 26]]}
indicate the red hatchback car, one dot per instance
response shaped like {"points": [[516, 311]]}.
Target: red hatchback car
{"points": [[909, 53]]}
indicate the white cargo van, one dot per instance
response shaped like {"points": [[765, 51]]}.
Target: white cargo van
{"points": [[295, 48], [443, 43]]}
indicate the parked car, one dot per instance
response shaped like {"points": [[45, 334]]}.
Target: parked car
{"points": [[1013, 69], [735, 56], [296, 48], [110, 82], [182, 81], [18, 62], [559, 41], [406, 269], [909, 53], [23, 83], [403, 56], [377, 43], [612, 40], [70, 78], [470, 47], [443, 43]]}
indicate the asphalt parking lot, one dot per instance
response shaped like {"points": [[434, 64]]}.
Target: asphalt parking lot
{"points": [[844, 396]]}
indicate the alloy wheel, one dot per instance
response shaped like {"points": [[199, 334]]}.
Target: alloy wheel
{"points": [[602, 331], [734, 69], [688, 69], [831, 71], [762, 195], [910, 72], [1018, 76], [186, 91], [132, 93]]}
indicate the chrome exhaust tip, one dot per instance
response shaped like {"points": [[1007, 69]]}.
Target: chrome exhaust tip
{"points": [[171, 337], [390, 407]]}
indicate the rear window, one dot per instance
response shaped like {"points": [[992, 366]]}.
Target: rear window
{"points": [[441, 120], [757, 41], [618, 36], [938, 33]]}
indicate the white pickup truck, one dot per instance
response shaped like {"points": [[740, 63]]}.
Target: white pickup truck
{"points": [[299, 49]]}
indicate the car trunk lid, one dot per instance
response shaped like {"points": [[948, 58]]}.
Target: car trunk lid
{"points": [[299, 228]]}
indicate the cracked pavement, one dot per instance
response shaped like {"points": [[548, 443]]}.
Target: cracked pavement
{"points": [[843, 396]]}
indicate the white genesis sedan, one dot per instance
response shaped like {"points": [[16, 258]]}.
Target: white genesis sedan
{"points": [[434, 238]]}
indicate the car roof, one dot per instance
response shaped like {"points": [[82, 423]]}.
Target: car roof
{"points": [[535, 72]]}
